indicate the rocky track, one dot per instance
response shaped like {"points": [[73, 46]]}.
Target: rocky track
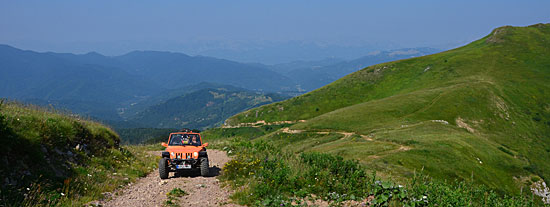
{"points": [[201, 191]]}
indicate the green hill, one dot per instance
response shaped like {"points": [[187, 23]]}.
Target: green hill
{"points": [[481, 111], [48, 158], [202, 108]]}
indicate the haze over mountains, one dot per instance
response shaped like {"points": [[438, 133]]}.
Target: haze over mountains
{"points": [[103, 86], [119, 87]]}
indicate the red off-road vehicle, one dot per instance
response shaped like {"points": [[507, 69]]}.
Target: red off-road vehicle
{"points": [[184, 151]]}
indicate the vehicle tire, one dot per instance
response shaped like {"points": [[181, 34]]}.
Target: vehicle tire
{"points": [[163, 168], [204, 167]]}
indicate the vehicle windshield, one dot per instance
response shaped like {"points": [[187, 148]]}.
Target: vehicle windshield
{"points": [[185, 139]]}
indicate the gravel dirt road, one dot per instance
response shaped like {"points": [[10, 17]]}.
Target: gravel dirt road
{"points": [[201, 191]]}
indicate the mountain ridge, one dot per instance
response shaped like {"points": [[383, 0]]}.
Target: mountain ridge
{"points": [[75, 82]]}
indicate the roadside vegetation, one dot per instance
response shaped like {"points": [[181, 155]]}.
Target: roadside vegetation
{"points": [[264, 174], [53, 159]]}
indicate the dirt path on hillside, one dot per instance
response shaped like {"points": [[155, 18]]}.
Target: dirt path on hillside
{"points": [[346, 135], [201, 191]]}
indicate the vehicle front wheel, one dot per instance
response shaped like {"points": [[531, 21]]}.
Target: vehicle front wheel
{"points": [[163, 168], [204, 167]]}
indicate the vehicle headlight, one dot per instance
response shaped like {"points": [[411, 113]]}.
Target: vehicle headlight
{"points": [[172, 153], [195, 154]]}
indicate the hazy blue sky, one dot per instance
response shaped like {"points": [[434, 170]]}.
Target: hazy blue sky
{"points": [[199, 27]]}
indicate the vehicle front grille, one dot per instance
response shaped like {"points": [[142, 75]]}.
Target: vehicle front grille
{"points": [[184, 155]]}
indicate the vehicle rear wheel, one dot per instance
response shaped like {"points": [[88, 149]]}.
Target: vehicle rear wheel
{"points": [[163, 168], [204, 167]]}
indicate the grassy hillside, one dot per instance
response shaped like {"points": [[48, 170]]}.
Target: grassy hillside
{"points": [[48, 158], [481, 110]]}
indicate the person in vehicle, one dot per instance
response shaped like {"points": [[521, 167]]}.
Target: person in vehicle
{"points": [[185, 139], [194, 141]]}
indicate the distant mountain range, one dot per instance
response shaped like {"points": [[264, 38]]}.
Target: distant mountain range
{"points": [[277, 52], [105, 87], [174, 70], [119, 88], [49, 76]]}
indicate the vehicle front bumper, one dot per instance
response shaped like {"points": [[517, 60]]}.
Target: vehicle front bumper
{"points": [[193, 162]]}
